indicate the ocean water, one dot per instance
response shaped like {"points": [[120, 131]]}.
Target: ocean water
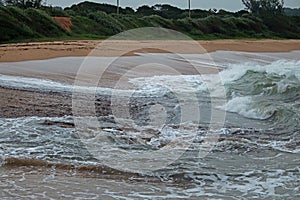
{"points": [[169, 145]]}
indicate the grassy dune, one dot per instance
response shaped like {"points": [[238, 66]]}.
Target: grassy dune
{"points": [[18, 24], [33, 24]]}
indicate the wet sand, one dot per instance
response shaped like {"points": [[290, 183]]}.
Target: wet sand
{"points": [[15, 103]]}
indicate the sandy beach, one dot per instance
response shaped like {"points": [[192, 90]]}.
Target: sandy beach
{"points": [[45, 50]]}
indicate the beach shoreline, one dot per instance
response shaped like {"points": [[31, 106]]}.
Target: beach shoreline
{"points": [[47, 50], [47, 152], [18, 103]]}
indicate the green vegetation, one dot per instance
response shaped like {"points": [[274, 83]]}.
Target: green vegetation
{"points": [[17, 24], [94, 21], [86, 7], [264, 7], [24, 3]]}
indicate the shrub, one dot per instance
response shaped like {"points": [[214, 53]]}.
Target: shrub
{"points": [[108, 24]]}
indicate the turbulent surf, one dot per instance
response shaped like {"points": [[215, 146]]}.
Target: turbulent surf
{"points": [[253, 153]]}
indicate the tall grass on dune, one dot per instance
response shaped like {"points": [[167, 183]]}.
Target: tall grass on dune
{"points": [[18, 24], [90, 21]]}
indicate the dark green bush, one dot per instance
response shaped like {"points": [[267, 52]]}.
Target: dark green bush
{"points": [[84, 25], [108, 24]]}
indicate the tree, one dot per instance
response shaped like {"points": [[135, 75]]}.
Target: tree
{"points": [[264, 7], [24, 3], [145, 10]]}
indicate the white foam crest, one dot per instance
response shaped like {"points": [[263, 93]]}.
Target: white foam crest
{"points": [[156, 85], [283, 67], [175, 83], [214, 82], [280, 67], [37, 84], [243, 106], [17, 82]]}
